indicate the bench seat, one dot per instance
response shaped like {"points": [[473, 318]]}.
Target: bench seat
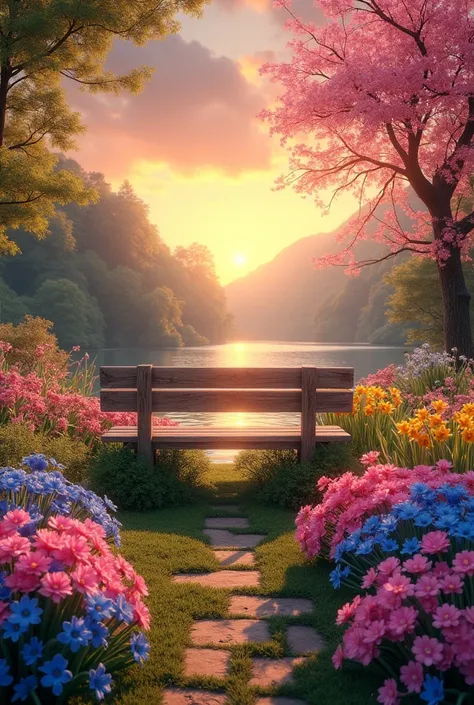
{"points": [[209, 438]]}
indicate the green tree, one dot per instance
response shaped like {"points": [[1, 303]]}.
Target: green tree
{"points": [[164, 319], [76, 317], [43, 42], [417, 301]]}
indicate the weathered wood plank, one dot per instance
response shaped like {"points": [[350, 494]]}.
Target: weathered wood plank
{"points": [[308, 412], [227, 377], [227, 400], [144, 406]]}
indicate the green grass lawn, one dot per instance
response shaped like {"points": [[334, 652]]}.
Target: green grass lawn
{"points": [[168, 541]]}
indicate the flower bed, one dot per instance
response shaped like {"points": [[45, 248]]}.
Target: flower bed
{"points": [[413, 615], [71, 609]]}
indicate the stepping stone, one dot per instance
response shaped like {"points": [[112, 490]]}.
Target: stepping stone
{"points": [[304, 640], [229, 508], [270, 606], [267, 672], [227, 558], [229, 632], [222, 578], [186, 696], [221, 538], [206, 662], [279, 701], [227, 523]]}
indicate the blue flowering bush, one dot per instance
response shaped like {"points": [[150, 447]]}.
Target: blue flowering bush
{"points": [[71, 610], [413, 615]]}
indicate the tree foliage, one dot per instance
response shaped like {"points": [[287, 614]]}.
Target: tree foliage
{"points": [[42, 43], [377, 98], [105, 277]]}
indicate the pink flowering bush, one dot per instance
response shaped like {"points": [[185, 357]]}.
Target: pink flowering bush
{"points": [[71, 610], [348, 500], [413, 615], [58, 403]]}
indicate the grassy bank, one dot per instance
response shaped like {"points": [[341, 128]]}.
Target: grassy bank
{"points": [[170, 540]]}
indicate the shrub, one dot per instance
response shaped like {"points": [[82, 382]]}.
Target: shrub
{"points": [[413, 615], [349, 500], [134, 485], [70, 608], [278, 478], [17, 440]]}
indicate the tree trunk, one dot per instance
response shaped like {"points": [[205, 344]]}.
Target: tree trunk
{"points": [[456, 303]]}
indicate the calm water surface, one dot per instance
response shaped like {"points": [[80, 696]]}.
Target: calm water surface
{"points": [[364, 358]]}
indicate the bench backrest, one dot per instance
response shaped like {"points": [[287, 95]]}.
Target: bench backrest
{"points": [[147, 389]]}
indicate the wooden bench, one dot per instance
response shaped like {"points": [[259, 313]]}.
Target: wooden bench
{"points": [[146, 389]]}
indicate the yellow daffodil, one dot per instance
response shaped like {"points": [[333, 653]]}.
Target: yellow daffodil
{"points": [[386, 407], [436, 420], [468, 409], [442, 433], [468, 435], [439, 405], [423, 440], [422, 414], [403, 428]]}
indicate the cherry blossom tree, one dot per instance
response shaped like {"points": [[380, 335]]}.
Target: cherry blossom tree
{"points": [[378, 99]]}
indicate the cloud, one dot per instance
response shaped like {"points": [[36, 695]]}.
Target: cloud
{"points": [[233, 5], [198, 111], [304, 9]]}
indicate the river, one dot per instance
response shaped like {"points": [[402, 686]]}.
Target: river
{"points": [[364, 358]]}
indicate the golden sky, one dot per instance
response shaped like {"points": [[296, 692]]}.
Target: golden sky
{"points": [[191, 144]]}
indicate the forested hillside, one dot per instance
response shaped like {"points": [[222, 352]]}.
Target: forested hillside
{"points": [[105, 277]]}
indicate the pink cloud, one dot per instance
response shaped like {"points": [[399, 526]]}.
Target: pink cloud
{"points": [[197, 111]]}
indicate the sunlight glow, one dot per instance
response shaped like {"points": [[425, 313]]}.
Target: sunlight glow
{"points": [[240, 259]]}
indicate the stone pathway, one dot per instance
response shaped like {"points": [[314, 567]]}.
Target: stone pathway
{"points": [[209, 655]]}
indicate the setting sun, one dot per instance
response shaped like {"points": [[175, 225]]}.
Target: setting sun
{"points": [[240, 260]]}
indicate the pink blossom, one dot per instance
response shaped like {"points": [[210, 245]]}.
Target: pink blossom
{"points": [[444, 465], [347, 611], [34, 563], [435, 542], [388, 693], [463, 563], [388, 566], [427, 651], [374, 632], [402, 621], [15, 519], [337, 658], [417, 564], [468, 613], [411, 676], [446, 616], [72, 549], [13, 546], [370, 458], [399, 585], [84, 579], [427, 586], [56, 586], [21, 581]]}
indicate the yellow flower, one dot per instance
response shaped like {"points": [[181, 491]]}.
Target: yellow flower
{"points": [[369, 410], [423, 440], [439, 405], [463, 420], [422, 414], [436, 420], [414, 431], [385, 407], [378, 393], [442, 433], [468, 435], [403, 428], [468, 409]]}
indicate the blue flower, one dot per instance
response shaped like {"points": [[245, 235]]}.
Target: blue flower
{"points": [[33, 651], [140, 647], [99, 607], [123, 610], [337, 575], [56, 674], [5, 677], [108, 502], [406, 510], [365, 547], [75, 634], [25, 612], [389, 523], [389, 545], [13, 630], [340, 550], [372, 525], [423, 519], [36, 462], [433, 690], [453, 494], [410, 546], [23, 689], [99, 633], [4, 589], [463, 530], [100, 681], [11, 480]]}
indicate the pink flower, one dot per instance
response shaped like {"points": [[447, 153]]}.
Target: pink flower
{"points": [[469, 614], [411, 676], [347, 611], [444, 465], [369, 578], [13, 546], [402, 621], [435, 542], [399, 585], [142, 615], [15, 519], [388, 693], [370, 458], [56, 586], [337, 658], [452, 584], [374, 632], [34, 563], [389, 566], [463, 563], [72, 549], [84, 579], [446, 616], [47, 541], [427, 651], [23, 582], [417, 564], [427, 586]]}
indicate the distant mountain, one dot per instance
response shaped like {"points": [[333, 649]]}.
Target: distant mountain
{"points": [[287, 299]]}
